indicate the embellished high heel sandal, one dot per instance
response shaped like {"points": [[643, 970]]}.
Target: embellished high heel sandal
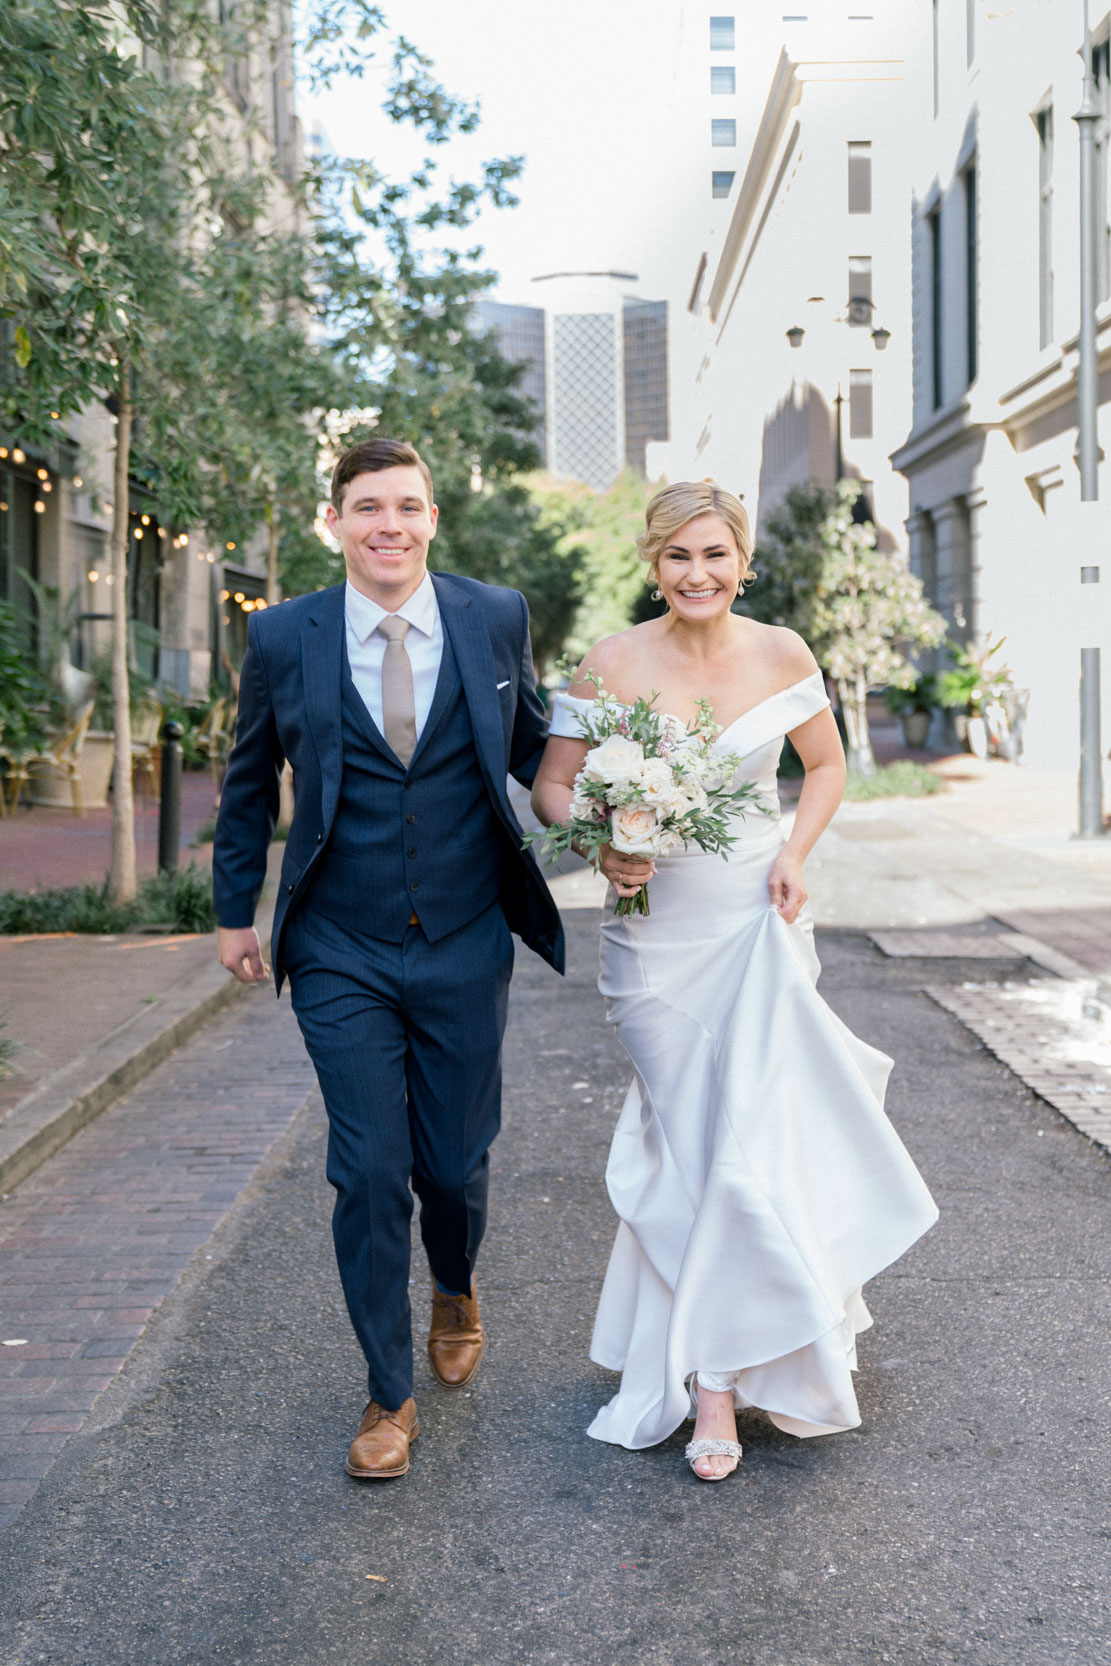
{"points": [[696, 1449], [719, 1448]]}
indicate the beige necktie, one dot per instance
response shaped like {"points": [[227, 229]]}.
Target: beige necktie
{"points": [[399, 717]]}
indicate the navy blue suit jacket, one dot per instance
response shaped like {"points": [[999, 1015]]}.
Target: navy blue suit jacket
{"points": [[289, 708]]}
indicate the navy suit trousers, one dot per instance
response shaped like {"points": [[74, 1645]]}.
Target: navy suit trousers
{"points": [[406, 1042]]}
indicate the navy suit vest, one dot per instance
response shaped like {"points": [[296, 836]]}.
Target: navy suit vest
{"points": [[425, 840]]}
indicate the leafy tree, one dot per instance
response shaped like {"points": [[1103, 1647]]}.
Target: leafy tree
{"points": [[603, 527], [98, 157], [860, 609]]}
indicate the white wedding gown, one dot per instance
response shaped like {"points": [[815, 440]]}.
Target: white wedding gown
{"points": [[758, 1182]]}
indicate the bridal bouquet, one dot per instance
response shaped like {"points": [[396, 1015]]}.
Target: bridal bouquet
{"points": [[647, 785]]}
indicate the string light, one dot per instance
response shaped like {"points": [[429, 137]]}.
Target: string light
{"points": [[3, 451], [56, 415], [138, 532], [109, 578], [46, 486], [43, 474], [3, 508], [18, 456], [78, 482], [93, 575], [224, 594], [210, 558], [229, 546], [145, 520], [162, 532], [184, 539], [40, 508], [238, 597]]}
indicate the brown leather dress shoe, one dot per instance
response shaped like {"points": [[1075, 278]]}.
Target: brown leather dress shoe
{"points": [[456, 1341], [380, 1450]]}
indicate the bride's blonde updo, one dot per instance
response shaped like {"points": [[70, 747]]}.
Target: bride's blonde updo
{"points": [[685, 501]]}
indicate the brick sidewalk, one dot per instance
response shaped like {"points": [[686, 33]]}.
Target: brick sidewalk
{"points": [[92, 1244], [42, 848]]}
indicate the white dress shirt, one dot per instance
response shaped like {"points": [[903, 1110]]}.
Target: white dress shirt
{"points": [[366, 647]]}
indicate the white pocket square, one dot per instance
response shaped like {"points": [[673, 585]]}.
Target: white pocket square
{"points": [[505, 684]]}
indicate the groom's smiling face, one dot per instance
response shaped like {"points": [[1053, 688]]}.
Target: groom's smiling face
{"points": [[384, 526]]}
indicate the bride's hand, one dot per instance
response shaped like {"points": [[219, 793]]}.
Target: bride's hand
{"points": [[785, 886], [625, 873]]}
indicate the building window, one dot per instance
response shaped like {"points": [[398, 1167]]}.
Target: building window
{"points": [[860, 404], [19, 549], [723, 132], [933, 233], [721, 184], [721, 34], [1101, 68], [860, 290], [1044, 123], [723, 78], [971, 274], [860, 176], [936, 61]]}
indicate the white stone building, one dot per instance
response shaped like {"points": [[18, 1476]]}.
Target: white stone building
{"points": [[805, 293], [996, 527], [55, 505]]}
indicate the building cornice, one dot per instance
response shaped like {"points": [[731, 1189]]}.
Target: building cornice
{"points": [[783, 95], [950, 431], [788, 82]]}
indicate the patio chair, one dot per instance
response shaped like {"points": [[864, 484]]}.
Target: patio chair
{"points": [[61, 751], [146, 744], [211, 737]]}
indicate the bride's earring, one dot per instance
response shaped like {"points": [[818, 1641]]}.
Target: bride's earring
{"points": [[657, 594]]}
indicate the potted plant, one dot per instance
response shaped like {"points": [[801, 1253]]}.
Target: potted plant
{"points": [[912, 706], [24, 696], [971, 683]]}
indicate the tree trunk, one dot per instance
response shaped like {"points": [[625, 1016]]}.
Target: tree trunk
{"points": [[273, 587], [854, 695], [122, 880]]}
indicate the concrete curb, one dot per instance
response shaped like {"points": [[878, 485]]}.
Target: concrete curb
{"points": [[73, 1096]]}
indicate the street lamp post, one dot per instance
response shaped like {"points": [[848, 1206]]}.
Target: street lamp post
{"points": [[859, 311], [1087, 435]]}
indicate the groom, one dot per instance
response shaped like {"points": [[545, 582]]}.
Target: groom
{"points": [[401, 699]]}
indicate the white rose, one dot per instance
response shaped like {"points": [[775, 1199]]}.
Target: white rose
{"points": [[634, 830], [656, 781], [615, 761], [583, 808]]}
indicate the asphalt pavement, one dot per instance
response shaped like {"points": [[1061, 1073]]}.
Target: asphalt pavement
{"points": [[201, 1514]]}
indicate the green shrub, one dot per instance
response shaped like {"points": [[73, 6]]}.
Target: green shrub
{"points": [[899, 780], [182, 900], [8, 1047]]}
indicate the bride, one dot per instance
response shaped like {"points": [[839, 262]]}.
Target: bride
{"points": [[757, 1181]]}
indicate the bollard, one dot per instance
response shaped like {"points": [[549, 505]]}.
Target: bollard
{"points": [[169, 808]]}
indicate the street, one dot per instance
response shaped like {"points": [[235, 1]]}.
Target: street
{"points": [[202, 1515]]}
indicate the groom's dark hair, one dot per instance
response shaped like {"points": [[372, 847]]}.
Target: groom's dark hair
{"points": [[369, 457]]}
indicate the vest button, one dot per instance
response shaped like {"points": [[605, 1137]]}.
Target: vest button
{"points": [[410, 818], [412, 853], [413, 886], [289, 888]]}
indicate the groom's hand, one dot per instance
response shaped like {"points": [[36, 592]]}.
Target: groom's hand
{"points": [[238, 949]]}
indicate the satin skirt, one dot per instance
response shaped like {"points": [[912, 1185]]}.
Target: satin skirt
{"points": [[757, 1181]]}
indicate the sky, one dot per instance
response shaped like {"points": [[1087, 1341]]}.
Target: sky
{"points": [[590, 92]]}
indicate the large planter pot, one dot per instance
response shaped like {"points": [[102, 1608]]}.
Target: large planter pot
{"points": [[916, 726], [977, 737], [50, 787]]}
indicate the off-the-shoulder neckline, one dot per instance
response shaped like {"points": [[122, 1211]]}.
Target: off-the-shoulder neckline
{"points": [[766, 701]]}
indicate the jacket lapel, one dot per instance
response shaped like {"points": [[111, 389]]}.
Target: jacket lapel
{"points": [[466, 631], [322, 661]]}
